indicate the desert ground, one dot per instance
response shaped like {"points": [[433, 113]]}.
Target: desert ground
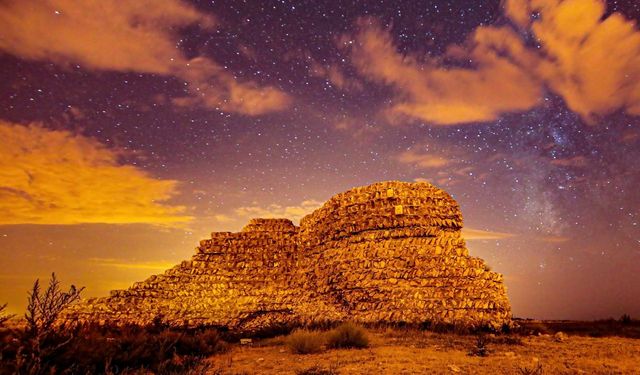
{"points": [[410, 351]]}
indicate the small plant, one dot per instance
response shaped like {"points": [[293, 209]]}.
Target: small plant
{"points": [[43, 309], [348, 335], [480, 349], [305, 342], [42, 340], [535, 369]]}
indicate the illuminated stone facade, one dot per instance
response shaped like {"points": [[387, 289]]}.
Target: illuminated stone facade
{"points": [[389, 252]]}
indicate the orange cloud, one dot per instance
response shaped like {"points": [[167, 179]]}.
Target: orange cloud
{"points": [[57, 177], [214, 87], [423, 160], [478, 234], [123, 36], [133, 36], [430, 91], [593, 62]]}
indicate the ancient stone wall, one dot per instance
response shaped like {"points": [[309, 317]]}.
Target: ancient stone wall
{"points": [[388, 252]]}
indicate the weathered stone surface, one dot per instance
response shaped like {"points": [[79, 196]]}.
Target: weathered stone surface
{"points": [[388, 252]]}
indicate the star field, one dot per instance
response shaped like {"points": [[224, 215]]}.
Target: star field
{"points": [[278, 105]]}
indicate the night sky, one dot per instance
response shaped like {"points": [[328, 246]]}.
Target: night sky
{"points": [[131, 130]]}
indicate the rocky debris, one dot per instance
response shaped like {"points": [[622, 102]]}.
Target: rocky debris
{"points": [[454, 368], [389, 252], [560, 336]]}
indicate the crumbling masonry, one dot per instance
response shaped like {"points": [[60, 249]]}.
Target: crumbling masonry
{"points": [[389, 252]]}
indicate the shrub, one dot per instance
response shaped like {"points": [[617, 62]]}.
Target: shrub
{"points": [[119, 348], [44, 346], [625, 319], [42, 340], [348, 335], [480, 349], [305, 342], [535, 369]]}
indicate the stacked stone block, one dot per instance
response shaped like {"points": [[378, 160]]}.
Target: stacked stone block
{"points": [[389, 252]]}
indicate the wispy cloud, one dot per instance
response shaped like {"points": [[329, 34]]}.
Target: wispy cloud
{"points": [[478, 234], [131, 264], [57, 177], [422, 160], [131, 36], [233, 219], [294, 212], [431, 91]]}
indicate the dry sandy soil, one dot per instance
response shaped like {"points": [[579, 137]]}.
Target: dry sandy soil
{"points": [[400, 351]]}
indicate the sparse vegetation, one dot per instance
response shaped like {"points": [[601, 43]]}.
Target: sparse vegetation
{"points": [[132, 347], [348, 335], [598, 328], [44, 346], [306, 342], [409, 350], [480, 348], [42, 341], [94, 349], [535, 369]]}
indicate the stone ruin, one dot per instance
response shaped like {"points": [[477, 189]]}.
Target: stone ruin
{"points": [[391, 252]]}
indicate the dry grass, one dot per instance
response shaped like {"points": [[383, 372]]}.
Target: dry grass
{"points": [[347, 335], [408, 351], [306, 342]]}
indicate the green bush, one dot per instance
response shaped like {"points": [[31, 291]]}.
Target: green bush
{"points": [[305, 342], [348, 335]]}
